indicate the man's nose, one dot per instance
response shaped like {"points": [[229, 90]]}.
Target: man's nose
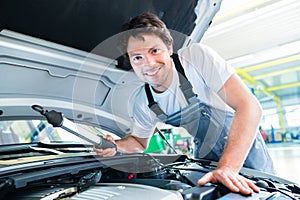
{"points": [[149, 60]]}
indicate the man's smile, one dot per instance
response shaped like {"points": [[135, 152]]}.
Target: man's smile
{"points": [[152, 72]]}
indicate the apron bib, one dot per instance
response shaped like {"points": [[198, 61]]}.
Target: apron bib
{"points": [[210, 127]]}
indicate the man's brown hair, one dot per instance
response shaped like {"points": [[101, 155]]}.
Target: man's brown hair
{"points": [[146, 23]]}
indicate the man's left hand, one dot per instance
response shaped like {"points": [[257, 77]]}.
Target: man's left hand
{"points": [[230, 179]]}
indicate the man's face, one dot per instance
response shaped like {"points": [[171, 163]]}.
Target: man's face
{"points": [[151, 61]]}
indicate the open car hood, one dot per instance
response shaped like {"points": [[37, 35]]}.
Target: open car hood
{"points": [[61, 56], [85, 24]]}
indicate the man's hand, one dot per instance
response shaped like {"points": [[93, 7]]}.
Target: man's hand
{"points": [[109, 151], [230, 179]]}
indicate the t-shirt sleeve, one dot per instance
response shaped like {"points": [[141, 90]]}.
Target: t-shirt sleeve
{"points": [[213, 69]]}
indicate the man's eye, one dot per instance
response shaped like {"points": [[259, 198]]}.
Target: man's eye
{"points": [[137, 59], [156, 51]]}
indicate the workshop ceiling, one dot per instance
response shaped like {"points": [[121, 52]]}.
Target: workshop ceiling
{"points": [[261, 38]]}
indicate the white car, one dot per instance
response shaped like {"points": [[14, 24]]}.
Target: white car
{"points": [[61, 57]]}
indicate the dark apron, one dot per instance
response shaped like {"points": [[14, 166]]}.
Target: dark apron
{"points": [[209, 126]]}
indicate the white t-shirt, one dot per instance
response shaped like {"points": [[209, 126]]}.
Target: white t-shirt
{"points": [[206, 71]]}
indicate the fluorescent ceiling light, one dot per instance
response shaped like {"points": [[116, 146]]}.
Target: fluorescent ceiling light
{"points": [[266, 55], [261, 13]]}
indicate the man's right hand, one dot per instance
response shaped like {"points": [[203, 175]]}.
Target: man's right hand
{"points": [[109, 151], [128, 144]]}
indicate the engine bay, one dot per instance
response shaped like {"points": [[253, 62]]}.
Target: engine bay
{"points": [[132, 176]]}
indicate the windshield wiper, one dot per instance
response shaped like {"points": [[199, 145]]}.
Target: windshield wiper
{"points": [[66, 147], [14, 151], [41, 149]]}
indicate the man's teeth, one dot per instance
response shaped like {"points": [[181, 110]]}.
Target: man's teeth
{"points": [[152, 72]]}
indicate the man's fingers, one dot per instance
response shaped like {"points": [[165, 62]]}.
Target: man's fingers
{"points": [[252, 186], [110, 138], [105, 152], [232, 181], [213, 177], [98, 151], [109, 151], [206, 179], [245, 186]]}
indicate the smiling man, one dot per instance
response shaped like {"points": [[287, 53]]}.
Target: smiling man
{"points": [[199, 91], [151, 63]]}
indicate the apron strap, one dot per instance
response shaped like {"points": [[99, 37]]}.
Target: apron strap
{"points": [[185, 85], [153, 105]]}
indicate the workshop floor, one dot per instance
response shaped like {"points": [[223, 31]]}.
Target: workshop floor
{"points": [[286, 158]]}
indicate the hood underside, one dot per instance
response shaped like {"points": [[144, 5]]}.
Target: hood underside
{"points": [[83, 24], [49, 55]]}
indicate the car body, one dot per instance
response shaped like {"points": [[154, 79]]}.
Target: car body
{"points": [[62, 56]]}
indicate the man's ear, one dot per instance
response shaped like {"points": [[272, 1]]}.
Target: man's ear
{"points": [[171, 50]]}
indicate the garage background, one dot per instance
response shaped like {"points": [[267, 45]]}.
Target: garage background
{"points": [[261, 39]]}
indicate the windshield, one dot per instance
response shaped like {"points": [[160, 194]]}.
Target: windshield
{"points": [[32, 131]]}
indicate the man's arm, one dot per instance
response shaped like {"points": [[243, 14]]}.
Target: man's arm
{"points": [[129, 144], [242, 132]]}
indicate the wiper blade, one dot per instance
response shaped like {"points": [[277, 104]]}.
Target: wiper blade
{"points": [[39, 149], [53, 148], [63, 144], [67, 147]]}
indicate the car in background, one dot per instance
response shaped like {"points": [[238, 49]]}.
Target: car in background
{"points": [[61, 57]]}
